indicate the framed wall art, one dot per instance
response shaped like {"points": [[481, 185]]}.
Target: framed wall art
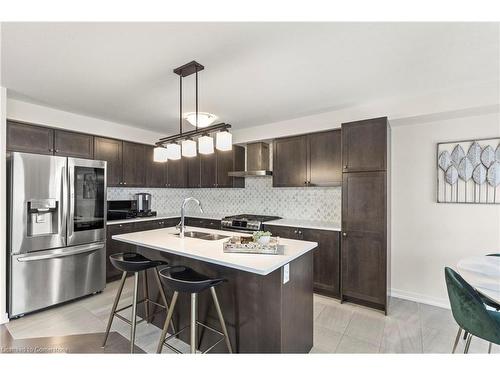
{"points": [[469, 171]]}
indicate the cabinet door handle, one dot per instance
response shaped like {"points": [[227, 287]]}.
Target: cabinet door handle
{"points": [[57, 150], [345, 166], [344, 234], [124, 183]]}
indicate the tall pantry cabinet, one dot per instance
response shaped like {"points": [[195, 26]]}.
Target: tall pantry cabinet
{"points": [[365, 212]]}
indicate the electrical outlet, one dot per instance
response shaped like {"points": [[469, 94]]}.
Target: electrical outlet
{"points": [[286, 273]]}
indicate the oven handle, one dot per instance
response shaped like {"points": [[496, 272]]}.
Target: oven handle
{"points": [[238, 230], [74, 250]]}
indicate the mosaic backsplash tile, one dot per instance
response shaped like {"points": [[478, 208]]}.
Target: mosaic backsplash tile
{"points": [[258, 197]]}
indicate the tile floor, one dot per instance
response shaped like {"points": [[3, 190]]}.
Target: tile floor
{"points": [[409, 327]]}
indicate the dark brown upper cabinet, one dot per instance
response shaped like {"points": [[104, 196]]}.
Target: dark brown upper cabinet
{"points": [[72, 144], [177, 173], [29, 138], [208, 172], [229, 161], [43, 140], [325, 158], [110, 150], [308, 160], [156, 172], [134, 160], [194, 170], [290, 162], [364, 145]]}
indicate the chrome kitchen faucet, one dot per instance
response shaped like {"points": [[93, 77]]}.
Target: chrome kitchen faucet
{"points": [[181, 224]]}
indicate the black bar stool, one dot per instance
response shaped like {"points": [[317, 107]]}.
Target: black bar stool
{"points": [[132, 262], [185, 280]]}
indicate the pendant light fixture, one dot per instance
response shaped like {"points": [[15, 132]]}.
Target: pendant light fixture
{"points": [[188, 147], [160, 154], [173, 151], [224, 141], [205, 145]]}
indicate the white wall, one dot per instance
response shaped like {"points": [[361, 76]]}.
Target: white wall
{"points": [[427, 236], [24, 111]]}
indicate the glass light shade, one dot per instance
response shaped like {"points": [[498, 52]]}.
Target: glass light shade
{"points": [[206, 145], [160, 154], [188, 148], [204, 119], [224, 141], [173, 151]]}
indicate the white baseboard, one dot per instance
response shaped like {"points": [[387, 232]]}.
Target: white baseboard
{"points": [[416, 297]]}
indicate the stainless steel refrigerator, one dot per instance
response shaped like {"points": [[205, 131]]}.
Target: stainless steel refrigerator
{"points": [[56, 230]]}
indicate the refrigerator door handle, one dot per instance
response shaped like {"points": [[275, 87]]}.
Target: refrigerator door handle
{"points": [[74, 250]]}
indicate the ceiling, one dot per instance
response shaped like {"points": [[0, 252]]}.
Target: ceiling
{"points": [[255, 73]]}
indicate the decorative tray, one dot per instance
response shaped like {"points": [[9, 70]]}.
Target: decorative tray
{"points": [[245, 245]]}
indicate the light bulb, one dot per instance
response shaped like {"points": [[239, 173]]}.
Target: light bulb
{"points": [[206, 145], [188, 148], [173, 151], [224, 141], [160, 154]]}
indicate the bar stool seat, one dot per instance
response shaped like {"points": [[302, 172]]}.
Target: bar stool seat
{"points": [[135, 263], [183, 279], [186, 280]]}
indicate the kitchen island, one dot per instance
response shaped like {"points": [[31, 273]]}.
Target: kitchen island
{"points": [[267, 302]]}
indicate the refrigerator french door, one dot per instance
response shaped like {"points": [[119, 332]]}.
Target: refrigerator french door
{"points": [[56, 230]]}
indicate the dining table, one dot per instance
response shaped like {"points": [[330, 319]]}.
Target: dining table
{"points": [[482, 272]]}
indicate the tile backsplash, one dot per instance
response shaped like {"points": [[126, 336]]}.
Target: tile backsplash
{"points": [[258, 197]]}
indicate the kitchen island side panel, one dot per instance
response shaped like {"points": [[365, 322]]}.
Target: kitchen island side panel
{"points": [[262, 314]]}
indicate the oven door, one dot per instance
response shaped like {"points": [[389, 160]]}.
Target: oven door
{"points": [[87, 201]]}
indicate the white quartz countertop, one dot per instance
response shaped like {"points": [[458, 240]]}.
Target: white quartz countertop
{"points": [[212, 251], [311, 224], [168, 215]]}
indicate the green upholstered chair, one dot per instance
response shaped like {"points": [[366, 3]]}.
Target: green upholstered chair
{"points": [[470, 312]]}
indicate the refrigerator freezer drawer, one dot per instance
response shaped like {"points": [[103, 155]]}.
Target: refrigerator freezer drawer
{"points": [[46, 278]]}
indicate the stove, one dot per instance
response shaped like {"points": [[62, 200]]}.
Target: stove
{"points": [[246, 223]]}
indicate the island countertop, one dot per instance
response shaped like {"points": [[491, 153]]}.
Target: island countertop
{"points": [[212, 251]]}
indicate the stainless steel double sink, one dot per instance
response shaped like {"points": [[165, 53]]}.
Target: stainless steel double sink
{"points": [[203, 236]]}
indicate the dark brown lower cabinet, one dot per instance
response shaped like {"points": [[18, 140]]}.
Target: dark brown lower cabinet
{"points": [[364, 270], [113, 247], [202, 223], [326, 257], [326, 260]]}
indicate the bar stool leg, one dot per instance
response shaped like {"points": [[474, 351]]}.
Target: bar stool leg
{"points": [[167, 322], [113, 309], [221, 319], [193, 323], [146, 296], [163, 296], [134, 311]]}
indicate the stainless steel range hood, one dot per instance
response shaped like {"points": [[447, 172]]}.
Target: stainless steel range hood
{"points": [[257, 161]]}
